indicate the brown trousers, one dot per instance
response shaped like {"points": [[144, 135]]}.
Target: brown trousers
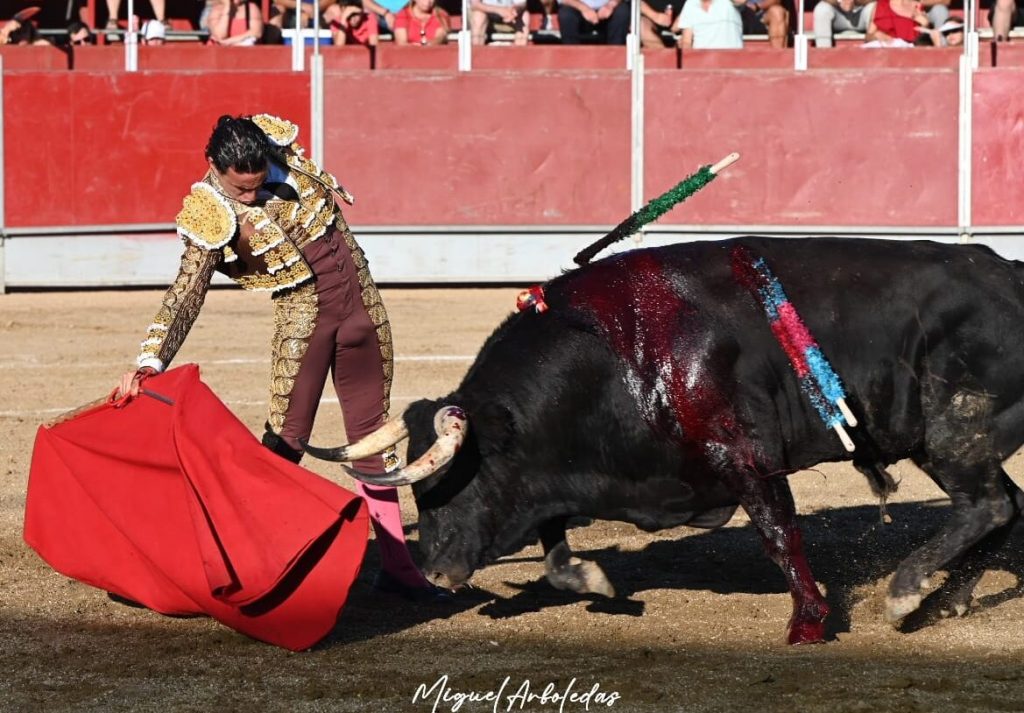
{"points": [[324, 328], [340, 340]]}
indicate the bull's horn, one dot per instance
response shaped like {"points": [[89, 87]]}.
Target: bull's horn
{"points": [[450, 424], [383, 438]]}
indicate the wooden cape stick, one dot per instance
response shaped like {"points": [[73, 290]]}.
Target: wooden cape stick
{"points": [[657, 207], [78, 411]]}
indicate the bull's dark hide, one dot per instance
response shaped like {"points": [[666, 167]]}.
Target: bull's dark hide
{"points": [[653, 392]]}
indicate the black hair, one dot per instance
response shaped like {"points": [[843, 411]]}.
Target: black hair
{"points": [[25, 34], [236, 142], [77, 26]]}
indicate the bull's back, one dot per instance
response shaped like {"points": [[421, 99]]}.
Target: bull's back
{"points": [[693, 339]]}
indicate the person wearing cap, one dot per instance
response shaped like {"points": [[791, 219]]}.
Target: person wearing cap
{"points": [[270, 219]]}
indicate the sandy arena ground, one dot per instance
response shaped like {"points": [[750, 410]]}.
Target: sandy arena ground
{"points": [[698, 625]]}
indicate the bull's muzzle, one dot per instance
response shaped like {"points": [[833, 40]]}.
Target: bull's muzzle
{"points": [[450, 424]]}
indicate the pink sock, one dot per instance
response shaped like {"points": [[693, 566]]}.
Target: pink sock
{"points": [[386, 517]]}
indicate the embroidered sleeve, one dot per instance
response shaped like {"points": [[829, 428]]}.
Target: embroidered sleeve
{"points": [[179, 308]]}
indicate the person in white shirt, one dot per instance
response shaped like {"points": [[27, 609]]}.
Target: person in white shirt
{"points": [[710, 24]]}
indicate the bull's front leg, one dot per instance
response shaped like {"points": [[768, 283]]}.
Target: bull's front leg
{"points": [[769, 503], [563, 569]]}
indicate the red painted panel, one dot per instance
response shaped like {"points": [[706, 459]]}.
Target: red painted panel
{"points": [[818, 148], [1006, 54], [839, 57], [33, 58], [481, 148], [347, 57], [551, 57], [184, 56], [392, 56], [846, 56], [998, 171], [757, 57], [124, 147], [99, 58], [668, 58]]}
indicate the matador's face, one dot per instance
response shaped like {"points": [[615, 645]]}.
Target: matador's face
{"points": [[238, 185]]}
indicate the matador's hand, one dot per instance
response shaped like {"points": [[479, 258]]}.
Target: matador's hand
{"points": [[131, 382]]}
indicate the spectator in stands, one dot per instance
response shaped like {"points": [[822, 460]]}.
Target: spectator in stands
{"points": [[544, 9], [114, 7], [951, 34], [21, 30], [421, 22], [608, 18], [711, 24], [235, 23], [153, 33], [653, 23], [385, 12], [896, 23], [767, 17], [831, 16], [80, 34], [1004, 15], [282, 12], [351, 25], [486, 15], [937, 11]]}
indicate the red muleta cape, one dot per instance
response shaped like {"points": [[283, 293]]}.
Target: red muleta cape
{"points": [[178, 507]]}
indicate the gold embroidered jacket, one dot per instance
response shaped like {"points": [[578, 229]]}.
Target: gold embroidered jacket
{"points": [[258, 246]]}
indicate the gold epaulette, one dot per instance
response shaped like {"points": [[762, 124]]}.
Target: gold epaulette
{"points": [[281, 132], [206, 218]]}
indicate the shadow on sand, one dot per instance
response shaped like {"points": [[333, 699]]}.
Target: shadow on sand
{"points": [[847, 548]]}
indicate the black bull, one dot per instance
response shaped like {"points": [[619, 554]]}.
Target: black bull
{"points": [[654, 392]]}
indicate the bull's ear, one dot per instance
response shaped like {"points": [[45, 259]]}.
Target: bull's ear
{"points": [[495, 426]]}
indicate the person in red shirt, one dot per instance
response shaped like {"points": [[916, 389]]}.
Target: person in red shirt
{"points": [[422, 23], [351, 25], [897, 22], [235, 22]]}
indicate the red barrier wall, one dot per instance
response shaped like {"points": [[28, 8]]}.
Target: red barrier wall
{"points": [[481, 148], [190, 56], [842, 56], [841, 147], [998, 170], [528, 147], [122, 148], [33, 58]]}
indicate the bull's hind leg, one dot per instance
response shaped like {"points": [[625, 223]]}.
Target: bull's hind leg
{"points": [[959, 588], [565, 570], [769, 503], [962, 459]]}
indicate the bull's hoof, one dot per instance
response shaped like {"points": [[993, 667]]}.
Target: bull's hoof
{"points": [[896, 608], [580, 576]]}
